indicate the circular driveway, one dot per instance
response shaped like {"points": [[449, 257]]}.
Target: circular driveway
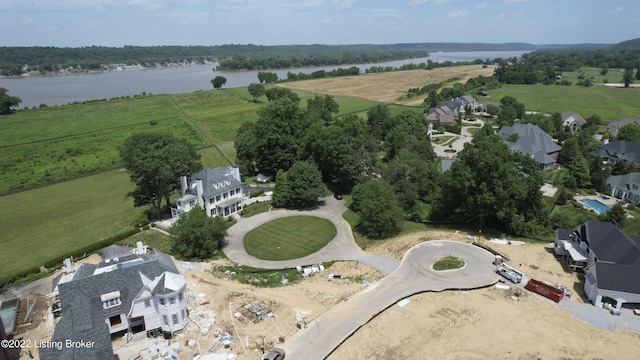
{"points": [[414, 275], [342, 247]]}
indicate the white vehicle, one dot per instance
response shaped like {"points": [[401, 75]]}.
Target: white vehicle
{"points": [[510, 273]]}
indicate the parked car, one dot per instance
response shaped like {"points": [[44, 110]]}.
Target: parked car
{"points": [[275, 354], [337, 196]]}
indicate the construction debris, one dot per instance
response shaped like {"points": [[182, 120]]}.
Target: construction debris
{"points": [[258, 309]]}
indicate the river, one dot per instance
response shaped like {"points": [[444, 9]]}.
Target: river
{"points": [[60, 90]]}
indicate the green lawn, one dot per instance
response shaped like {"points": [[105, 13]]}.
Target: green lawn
{"points": [[448, 263], [151, 238], [62, 142], [611, 104], [289, 238], [44, 223]]}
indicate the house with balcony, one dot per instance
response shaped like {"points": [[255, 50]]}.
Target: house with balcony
{"points": [[219, 191], [609, 259], [624, 187], [129, 291]]}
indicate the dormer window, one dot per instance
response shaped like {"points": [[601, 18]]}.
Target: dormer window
{"points": [[111, 299]]}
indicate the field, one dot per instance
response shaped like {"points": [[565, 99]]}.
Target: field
{"points": [[611, 104], [289, 238], [51, 221], [48, 145], [388, 87]]}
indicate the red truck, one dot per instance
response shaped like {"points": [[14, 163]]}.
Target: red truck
{"points": [[545, 290]]}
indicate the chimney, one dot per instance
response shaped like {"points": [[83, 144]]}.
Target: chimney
{"points": [[236, 172], [68, 265], [140, 248], [200, 189], [183, 185]]}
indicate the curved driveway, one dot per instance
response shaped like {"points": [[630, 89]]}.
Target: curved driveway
{"points": [[342, 247], [411, 276]]}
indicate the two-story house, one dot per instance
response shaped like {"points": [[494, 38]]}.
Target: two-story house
{"points": [[624, 187], [619, 150], [609, 258], [219, 191], [572, 120], [128, 291]]}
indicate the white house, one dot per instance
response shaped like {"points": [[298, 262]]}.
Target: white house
{"points": [[219, 191], [625, 187], [128, 291], [572, 120], [609, 258]]}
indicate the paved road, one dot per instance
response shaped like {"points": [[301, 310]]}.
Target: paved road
{"points": [[411, 276], [414, 275], [342, 247]]}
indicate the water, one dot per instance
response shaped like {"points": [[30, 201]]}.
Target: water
{"points": [[60, 90], [596, 205]]}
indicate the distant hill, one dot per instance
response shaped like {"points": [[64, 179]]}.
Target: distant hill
{"points": [[633, 44]]}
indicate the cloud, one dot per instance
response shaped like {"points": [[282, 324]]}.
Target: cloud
{"points": [[615, 11], [148, 4], [342, 4], [507, 2], [416, 2], [440, 2], [458, 14], [483, 5]]}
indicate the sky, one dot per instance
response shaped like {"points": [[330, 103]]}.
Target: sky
{"points": [[77, 23]]}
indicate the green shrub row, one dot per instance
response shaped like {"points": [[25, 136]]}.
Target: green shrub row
{"points": [[256, 193]]}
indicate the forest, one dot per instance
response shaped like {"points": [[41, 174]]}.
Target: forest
{"points": [[14, 61]]}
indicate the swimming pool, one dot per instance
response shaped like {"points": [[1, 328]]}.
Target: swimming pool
{"points": [[595, 205]]}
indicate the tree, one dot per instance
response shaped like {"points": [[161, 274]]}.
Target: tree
{"points": [[617, 215], [218, 81], [569, 151], [302, 186], [321, 107], [507, 116], [195, 235], [256, 90], [379, 119], [627, 77], [579, 169], [340, 150], [629, 132], [376, 203], [154, 163], [7, 102], [491, 186], [276, 93]]}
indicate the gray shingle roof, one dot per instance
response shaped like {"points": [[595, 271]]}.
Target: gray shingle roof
{"points": [[532, 141], [83, 314], [215, 176], [623, 181], [615, 126], [618, 256], [621, 149]]}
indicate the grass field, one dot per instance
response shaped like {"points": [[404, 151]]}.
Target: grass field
{"points": [[55, 143], [289, 238], [44, 223], [611, 104], [388, 87]]}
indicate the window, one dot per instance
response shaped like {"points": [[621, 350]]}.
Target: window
{"points": [[115, 320], [165, 319], [183, 314], [162, 301], [111, 303], [232, 192], [238, 191], [192, 202], [211, 201], [172, 300], [181, 296], [225, 195], [147, 303], [175, 319], [217, 198]]}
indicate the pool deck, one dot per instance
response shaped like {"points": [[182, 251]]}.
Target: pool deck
{"points": [[609, 200]]}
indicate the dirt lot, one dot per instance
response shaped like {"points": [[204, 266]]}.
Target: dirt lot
{"points": [[476, 324], [395, 83]]}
